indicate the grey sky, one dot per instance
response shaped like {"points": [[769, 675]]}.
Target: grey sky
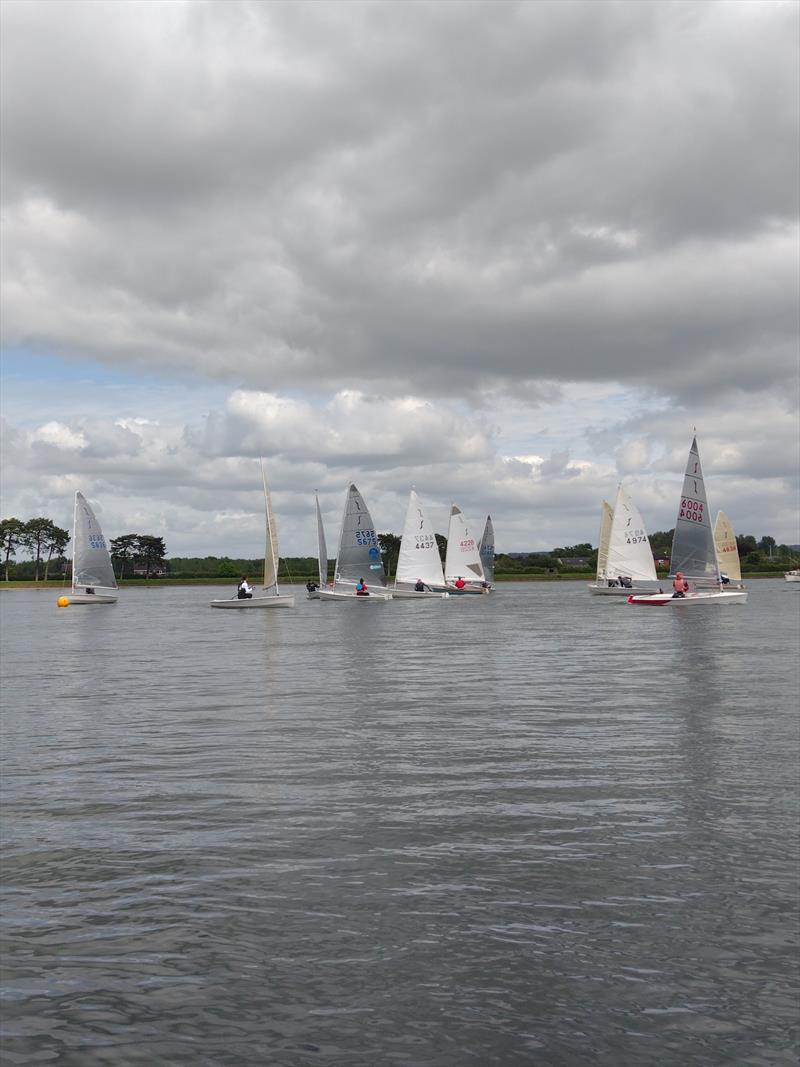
{"points": [[471, 204]]}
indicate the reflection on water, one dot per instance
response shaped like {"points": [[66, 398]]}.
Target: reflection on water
{"points": [[529, 828]]}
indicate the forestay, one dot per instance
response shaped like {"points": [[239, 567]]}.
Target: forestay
{"points": [[693, 549], [629, 552], [419, 554], [463, 558], [91, 562], [727, 549], [359, 553], [486, 550]]}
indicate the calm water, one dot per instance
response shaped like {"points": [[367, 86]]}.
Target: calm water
{"points": [[533, 828]]}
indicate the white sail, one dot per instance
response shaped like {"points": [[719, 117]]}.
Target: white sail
{"points": [[693, 549], [359, 554], [271, 545], [419, 553], [322, 548], [463, 557], [91, 562], [727, 549], [605, 533], [486, 550], [629, 552]]}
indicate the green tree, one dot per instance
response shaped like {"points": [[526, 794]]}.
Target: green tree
{"points": [[390, 550], [11, 536], [57, 541], [150, 550], [767, 544], [36, 536], [746, 544], [123, 548]]}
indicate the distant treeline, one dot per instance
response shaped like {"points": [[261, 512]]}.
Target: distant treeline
{"points": [[144, 556]]}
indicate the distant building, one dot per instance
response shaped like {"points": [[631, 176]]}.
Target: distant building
{"points": [[158, 569]]}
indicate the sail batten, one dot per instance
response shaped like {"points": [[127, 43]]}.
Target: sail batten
{"points": [[91, 561], [693, 549]]}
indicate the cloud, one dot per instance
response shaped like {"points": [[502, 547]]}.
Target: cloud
{"points": [[429, 200]]}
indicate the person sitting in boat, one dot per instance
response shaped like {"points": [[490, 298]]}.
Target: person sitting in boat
{"points": [[419, 586], [311, 585], [459, 583], [680, 587], [244, 591], [361, 588], [723, 577], [626, 583]]}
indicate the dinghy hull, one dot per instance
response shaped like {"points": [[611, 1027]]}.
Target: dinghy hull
{"points": [[255, 603], [660, 600], [413, 594], [336, 597]]}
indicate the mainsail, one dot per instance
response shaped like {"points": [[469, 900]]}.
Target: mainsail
{"points": [[419, 554], [91, 562], [727, 549], [322, 548], [486, 550], [271, 546], [605, 533], [629, 552], [359, 553], [463, 558], [693, 549]]}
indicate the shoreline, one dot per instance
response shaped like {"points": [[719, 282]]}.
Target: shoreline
{"points": [[150, 583]]}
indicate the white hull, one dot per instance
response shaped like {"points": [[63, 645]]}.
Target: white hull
{"points": [[619, 590], [691, 599], [256, 602], [90, 598], [792, 576], [466, 591], [412, 594], [333, 595]]}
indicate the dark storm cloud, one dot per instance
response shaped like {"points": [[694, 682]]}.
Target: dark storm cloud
{"points": [[440, 198]]}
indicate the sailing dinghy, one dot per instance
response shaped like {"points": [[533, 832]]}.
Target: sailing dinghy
{"points": [[419, 558], [624, 558], [274, 598], [727, 553], [463, 558], [358, 556], [93, 579], [694, 553]]}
